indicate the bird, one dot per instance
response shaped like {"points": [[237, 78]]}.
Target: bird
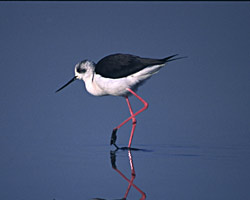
{"points": [[119, 75]]}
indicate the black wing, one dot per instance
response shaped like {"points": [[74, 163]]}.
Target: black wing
{"points": [[122, 65]]}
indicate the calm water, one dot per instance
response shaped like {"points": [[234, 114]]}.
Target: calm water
{"points": [[166, 171]]}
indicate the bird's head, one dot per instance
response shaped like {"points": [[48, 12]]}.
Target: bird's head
{"points": [[83, 71]]}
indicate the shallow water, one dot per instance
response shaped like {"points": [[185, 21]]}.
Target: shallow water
{"points": [[164, 171]]}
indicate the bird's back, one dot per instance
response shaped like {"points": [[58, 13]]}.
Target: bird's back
{"points": [[122, 65]]}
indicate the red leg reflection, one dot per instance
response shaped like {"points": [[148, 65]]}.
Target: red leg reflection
{"points": [[131, 180]]}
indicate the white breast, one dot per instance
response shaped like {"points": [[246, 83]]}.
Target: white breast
{"points": [[100, 86], [105, 86]]}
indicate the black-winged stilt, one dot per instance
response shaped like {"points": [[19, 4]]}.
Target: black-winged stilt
{"points": [[119, 75]]}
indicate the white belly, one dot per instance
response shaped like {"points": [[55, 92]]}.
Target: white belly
{"points": [[105, 86], [100, 86]]}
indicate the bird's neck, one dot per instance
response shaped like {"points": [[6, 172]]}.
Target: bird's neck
{"points": [[92, 87]]}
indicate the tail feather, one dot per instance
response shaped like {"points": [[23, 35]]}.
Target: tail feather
{"points": [[168, 59]]}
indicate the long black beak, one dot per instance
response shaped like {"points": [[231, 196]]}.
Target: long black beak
{"points": [[73, 79]]}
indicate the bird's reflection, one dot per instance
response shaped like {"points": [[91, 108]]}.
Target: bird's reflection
{"points": [[131, 180], [132, 177]]}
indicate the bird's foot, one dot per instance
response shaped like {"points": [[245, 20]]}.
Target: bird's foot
{"points": [[113, 138]]}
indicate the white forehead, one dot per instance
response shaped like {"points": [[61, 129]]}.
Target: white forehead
{"points": [[85, 64]]}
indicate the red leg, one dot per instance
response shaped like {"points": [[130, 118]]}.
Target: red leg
{"points": [[113, 138], [133, 122]]}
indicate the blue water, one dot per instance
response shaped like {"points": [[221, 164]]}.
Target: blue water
{"points": [[164, 171]]}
